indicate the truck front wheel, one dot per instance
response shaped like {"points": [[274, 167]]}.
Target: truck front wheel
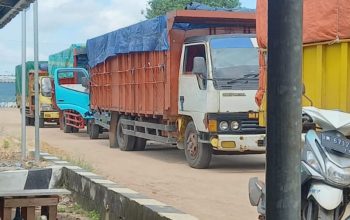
{"points": [[94, 130], [31, 121], [125, 142], [41, 122], [27, 121], [198, 154], [66, 128]]}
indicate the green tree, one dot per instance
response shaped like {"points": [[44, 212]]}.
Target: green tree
{"points": [[161, 7]]}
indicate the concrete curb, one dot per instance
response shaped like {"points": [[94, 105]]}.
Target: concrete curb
{"points": [[111, 200]]}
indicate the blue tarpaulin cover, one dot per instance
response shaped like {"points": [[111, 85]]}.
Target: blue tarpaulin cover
{"points": [[149, 35]]}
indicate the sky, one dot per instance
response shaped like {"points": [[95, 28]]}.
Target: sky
{"points": [[64, 22]]}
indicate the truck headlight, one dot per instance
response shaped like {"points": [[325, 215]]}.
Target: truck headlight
{"points": [[223, 126], [234, 125], [46, 107], [337, 175]]}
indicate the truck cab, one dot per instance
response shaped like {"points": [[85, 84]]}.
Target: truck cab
{"points": [[218, 80], [72, 97], [47, 112]]}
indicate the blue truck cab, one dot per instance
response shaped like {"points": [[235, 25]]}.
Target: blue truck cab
{"points": [[72, 97]]}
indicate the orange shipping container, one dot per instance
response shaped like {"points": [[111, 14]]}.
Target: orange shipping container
{"points": [[324, 20]]}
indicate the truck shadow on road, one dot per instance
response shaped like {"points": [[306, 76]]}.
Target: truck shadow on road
{"points": [[170, 154], [231, 163]]}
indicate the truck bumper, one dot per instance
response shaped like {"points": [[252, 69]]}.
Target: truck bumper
{"points": [[244, 144], [50, 115]]}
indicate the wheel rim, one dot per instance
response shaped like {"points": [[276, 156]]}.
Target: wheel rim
{"points": [[192, 145]]}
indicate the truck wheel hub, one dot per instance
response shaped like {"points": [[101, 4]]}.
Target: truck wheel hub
{"points": [[192, 145]]}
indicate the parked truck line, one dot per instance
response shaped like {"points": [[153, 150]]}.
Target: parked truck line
{"points": [[184, 91]]}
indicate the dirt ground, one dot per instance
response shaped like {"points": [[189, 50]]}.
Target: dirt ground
{"points": [[160, 172]]}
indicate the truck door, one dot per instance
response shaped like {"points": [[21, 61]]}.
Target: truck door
{"points": [[75, 94], [192, 89]]}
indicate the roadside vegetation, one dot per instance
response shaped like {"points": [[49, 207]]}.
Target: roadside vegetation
{"points": [[68, 209], [161, 7], [45, 147]]}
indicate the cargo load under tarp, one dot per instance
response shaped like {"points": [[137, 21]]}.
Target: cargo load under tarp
{"points": [[152, 34], [324, 20], [149, 35], [65, 58], [29, 67]]}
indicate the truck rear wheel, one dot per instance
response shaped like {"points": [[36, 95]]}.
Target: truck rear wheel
{"points": [[140, 144], [198, 154], [125, 142], [41, 122], [75, 130], [66, 128], [94, 130]]}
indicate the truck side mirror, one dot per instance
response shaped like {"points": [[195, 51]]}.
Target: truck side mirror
{"points": [[199, 67], [85, 82]]}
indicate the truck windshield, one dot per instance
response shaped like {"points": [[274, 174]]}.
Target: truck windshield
{"points": [[235, 62], [46, 87]]}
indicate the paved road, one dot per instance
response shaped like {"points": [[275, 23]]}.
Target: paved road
{"points": [[160, 172]]}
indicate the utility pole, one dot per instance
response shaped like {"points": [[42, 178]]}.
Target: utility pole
{"points": [[23, 101], [283, 186], [36, 79]]}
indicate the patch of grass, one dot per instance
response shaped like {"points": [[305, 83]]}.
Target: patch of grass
{"points": [[79, 162], [93, 215], [64, 156], [6, 144], [76, 209], [61, 209]]}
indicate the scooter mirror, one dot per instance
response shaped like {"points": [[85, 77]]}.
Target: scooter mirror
{"points": [[255, 191]]}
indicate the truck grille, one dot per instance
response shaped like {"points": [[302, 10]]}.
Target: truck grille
{"points": [[251, 126]]}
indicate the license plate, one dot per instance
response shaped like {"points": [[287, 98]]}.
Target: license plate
{"points": [[50, 115], [335, 142]]}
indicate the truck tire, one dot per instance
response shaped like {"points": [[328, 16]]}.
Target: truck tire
{"points": [[198, 155], [125, 142], [66, 128], [140, 144], [75, 130], [94, 131], [27, 121], [31, 121], [41, 122]]}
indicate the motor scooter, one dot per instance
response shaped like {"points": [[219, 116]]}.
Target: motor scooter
{"points": [[325, 167]]}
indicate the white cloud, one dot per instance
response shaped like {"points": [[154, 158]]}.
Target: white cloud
{"points": [[64, 22]]}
